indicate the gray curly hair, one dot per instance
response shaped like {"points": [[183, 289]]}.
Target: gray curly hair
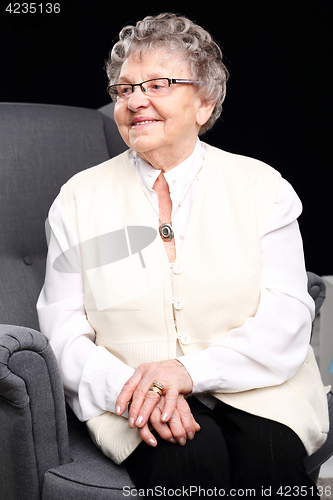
{"points": [[176, 34]]}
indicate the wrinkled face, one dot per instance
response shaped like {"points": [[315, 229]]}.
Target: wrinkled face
{"points": [[161, 129]]}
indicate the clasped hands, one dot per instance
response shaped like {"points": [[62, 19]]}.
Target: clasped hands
{"points": [[169, 414]]}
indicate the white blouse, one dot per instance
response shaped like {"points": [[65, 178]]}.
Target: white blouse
{"points": [[93, 377]]}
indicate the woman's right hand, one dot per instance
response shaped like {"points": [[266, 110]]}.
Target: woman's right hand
{"points": [[180, 427]]}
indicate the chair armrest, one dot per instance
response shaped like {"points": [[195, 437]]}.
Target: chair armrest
{"points": [[33, 425], [317, 289]]}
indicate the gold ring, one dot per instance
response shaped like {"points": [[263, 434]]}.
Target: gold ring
{"points": [[157, 387]]}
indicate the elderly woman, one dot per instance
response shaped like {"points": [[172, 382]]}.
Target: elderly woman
{"points": [[175, 295]]}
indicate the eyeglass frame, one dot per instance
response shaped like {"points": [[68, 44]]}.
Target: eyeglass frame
{"points": [[171, 81]]}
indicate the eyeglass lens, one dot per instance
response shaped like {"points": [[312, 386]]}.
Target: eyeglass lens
{"points": [[157, 87]]}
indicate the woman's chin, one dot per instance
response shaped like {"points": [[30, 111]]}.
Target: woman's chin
{"points": [[141, 144]]}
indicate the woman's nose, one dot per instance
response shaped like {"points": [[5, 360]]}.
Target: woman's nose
{"points": [[137, 100]]}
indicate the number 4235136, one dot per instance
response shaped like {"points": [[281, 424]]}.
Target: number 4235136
{"points": [[33, 8]]}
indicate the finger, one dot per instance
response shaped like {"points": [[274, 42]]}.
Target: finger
{"points": [[144, 412], [147, 436], [139, 416], [188, 421], [177, 428], [196, 425], [140, 394], [138, 400], [127, 391], [162, 428], [170, 403]]}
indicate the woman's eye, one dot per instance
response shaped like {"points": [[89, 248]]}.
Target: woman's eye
{"points": [[126, 91], [157, 86]]}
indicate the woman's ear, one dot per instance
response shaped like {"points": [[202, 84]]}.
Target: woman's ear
{"points": [[204, 112]]}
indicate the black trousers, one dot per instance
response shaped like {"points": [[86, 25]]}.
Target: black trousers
{"points": [[235, 454]]}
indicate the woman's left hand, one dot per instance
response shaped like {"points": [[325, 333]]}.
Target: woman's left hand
{"points": [[178, 429], [175, 379]]}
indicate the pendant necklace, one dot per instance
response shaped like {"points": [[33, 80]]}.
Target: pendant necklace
{"points": [[166, 231]]}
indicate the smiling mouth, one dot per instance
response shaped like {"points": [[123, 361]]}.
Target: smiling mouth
{"points": [[143, 122]]}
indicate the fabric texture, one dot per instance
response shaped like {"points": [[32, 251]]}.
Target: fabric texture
{"points": [[32, 415], [89, 475]]}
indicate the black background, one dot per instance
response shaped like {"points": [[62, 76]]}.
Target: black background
{"points": [[278, 105]]}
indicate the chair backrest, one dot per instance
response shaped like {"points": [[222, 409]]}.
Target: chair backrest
{"points": [[41, 147]]}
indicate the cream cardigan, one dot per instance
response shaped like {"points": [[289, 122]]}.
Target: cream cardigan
{"points": [[216, 290]]}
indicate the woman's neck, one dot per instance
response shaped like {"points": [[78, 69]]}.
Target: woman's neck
{"points": [[170, 158]]}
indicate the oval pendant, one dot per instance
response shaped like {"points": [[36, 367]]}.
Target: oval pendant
{"points": [[166, 232]]}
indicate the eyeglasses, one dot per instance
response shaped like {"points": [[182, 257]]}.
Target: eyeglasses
{"points": [[152, 88]]}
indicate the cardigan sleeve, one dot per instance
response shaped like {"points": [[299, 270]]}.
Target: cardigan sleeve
{"points": [[91, 375], [270, 347]]}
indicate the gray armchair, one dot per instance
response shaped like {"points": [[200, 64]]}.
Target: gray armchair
{"points": [[46, 453]]}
